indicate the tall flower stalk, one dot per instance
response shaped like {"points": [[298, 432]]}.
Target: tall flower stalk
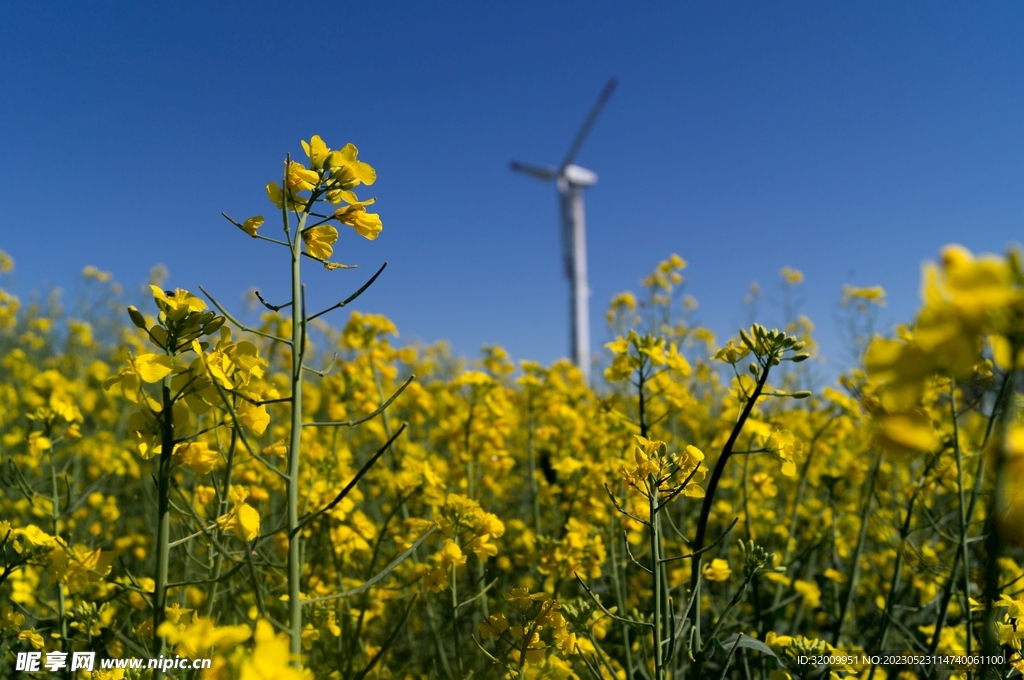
{"points": [[330, 178]]}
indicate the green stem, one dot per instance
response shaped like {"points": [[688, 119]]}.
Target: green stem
{"points": [[750, 535], [163, 513], [705, 512], [294, 539], [656, 571], [732, 603]]}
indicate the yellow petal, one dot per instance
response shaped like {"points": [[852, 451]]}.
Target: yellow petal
{"points": [[368, 225], [152, 367], [319, 241], [348, 152], [248, 521], [317, 151], [364, 172], [909, 432], [252, 224], [274, 193], [253, 417]]}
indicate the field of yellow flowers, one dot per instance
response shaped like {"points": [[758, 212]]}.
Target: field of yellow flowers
{"points": [[294, 499]]}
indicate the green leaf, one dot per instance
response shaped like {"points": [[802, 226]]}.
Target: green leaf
{"points": [[747, 642]]}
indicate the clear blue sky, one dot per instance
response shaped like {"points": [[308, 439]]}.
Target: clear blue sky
{"points": [[849, 140]]}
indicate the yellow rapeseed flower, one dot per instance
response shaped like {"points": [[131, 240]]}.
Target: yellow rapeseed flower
{"points": [[252, 224], [354, 215], [347, 170], [271, 658], [319, 241], [718, 570], [198, 456], [493, 627]]}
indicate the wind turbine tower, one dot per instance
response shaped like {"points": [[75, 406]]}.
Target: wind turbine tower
{"points": [[571, 180]]}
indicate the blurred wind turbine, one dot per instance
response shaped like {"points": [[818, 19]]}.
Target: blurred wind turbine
{"points": [[571, 180]]}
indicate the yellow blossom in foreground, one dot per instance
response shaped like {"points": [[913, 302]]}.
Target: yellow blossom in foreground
{"points": [[523, 598], [493, 627], [79, 566], [177, 303], [316, 150], [253, 416], [252, 224], [198, 456], [31, 537], [1010, 500], [906, 433], [243, 519], [271, 658], [199, 636], [451, 554], [354, 215], [347, 170], [32, 637], [320, 240]]}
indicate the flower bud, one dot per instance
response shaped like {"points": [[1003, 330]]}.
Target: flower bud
{"points": [[746, 340], [214, 325], [137, 318], [801, 394]]}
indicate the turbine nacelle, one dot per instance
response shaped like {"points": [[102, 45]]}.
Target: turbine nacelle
{"points": [[569, 175], [578, 176]]}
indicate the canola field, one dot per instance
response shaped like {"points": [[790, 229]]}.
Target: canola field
{"points": [[304, 496]]}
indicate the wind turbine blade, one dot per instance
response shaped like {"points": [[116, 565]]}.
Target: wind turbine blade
{"points": [[581, 136], [543, 173]]}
